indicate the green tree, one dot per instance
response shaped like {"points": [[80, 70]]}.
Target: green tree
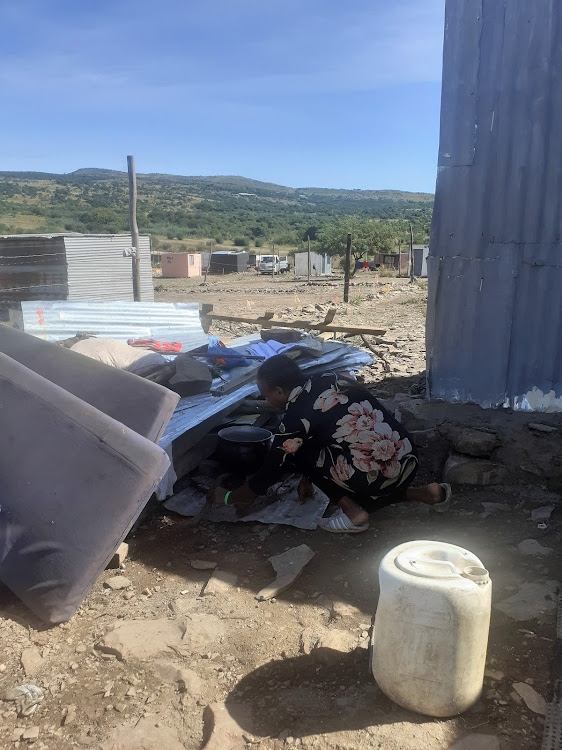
{"points": [[366, 237]]}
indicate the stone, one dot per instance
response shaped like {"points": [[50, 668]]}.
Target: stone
{"points": [[31, 734], [410, 412], [531, 601], [186, 679], [221, 583], [532, 699], [226, 727], [542, 514], [69, 715], [142, 639], [202, 631], [344, 609], [117, 582], [31, 661], [475, 442], [473, 471], [494, 674], [533, 547], [146, 733], [333, 645], [183, 605], [309, 639], [288, 566], [476, 742], [203, 564], [120, 556], [545, 428]]}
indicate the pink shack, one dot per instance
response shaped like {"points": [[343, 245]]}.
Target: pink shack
{"points": [[180, 265]]}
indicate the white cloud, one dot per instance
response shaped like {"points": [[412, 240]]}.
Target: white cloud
{"points": [[326, 48]]}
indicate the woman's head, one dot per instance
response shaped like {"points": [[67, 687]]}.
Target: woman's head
{"points": [[277, 377]]}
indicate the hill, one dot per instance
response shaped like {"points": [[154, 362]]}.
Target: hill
{"points": [[225, 208]]}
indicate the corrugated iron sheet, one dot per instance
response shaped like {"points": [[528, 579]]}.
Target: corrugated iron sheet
{"points": [[320, 265], [97, 268], [32, 267], [494, 325], [71, 266], [163, 321]]}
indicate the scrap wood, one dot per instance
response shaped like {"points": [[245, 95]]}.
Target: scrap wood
{"points": [[380, 355], [267, 320]]}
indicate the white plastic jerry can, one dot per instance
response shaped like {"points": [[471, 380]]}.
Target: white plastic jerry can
{"points": [[431, 627]]}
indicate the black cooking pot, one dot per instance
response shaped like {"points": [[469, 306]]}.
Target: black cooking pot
{"points": [[242, 450]]}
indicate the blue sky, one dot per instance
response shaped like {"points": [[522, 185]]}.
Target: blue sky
{"points": [[330, 93]]}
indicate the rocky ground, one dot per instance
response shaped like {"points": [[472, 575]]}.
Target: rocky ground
{"points": [[173, 650]]}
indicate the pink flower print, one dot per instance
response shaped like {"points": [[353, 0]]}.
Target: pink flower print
{"points": [[376, 454], [292, 445], [362, 418], [363, 457], [330, 398], [341, 472]]}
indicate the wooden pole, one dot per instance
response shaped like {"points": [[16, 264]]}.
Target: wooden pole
{"points": [[347, 269], [134, 228], [411, 255]]}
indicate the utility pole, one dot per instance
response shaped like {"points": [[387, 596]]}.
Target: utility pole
{"points": [[308, 246], [133, 227], [411, 255], [347, 269]]}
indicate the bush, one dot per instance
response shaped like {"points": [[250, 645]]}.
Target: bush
{"points": [[219, 240], [386, 272], [241, 242], [258, 243]]}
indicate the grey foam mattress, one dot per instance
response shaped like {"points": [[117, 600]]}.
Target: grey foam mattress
{"points": [[141, 405], [72, 482]]}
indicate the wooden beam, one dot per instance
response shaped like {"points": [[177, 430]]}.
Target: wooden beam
{"points": [[347, 269], [268, 321], [134, 228], [306, 324]]}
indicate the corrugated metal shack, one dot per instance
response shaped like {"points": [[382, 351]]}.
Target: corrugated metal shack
{"points": [[494, 325], [71, 266], [226, 261], [320, 265]]}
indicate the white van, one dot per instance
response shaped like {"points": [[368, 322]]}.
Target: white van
{"points": [[269, 264]]}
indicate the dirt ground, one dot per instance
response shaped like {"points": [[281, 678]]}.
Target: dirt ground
{"points": [[255, 657]]}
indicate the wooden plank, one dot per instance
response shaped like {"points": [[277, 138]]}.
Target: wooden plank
{"points": [[330, 315], [134, 228], [336, 327]]}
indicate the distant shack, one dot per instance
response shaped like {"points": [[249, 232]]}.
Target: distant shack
{"points": [[228, 261], [320, 264], [71, 267]]}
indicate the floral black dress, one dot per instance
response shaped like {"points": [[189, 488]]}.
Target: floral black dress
{"points": [[342, 438]]}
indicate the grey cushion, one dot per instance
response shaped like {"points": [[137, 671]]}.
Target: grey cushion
{"points": [[141, 405], [72, 482]]}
